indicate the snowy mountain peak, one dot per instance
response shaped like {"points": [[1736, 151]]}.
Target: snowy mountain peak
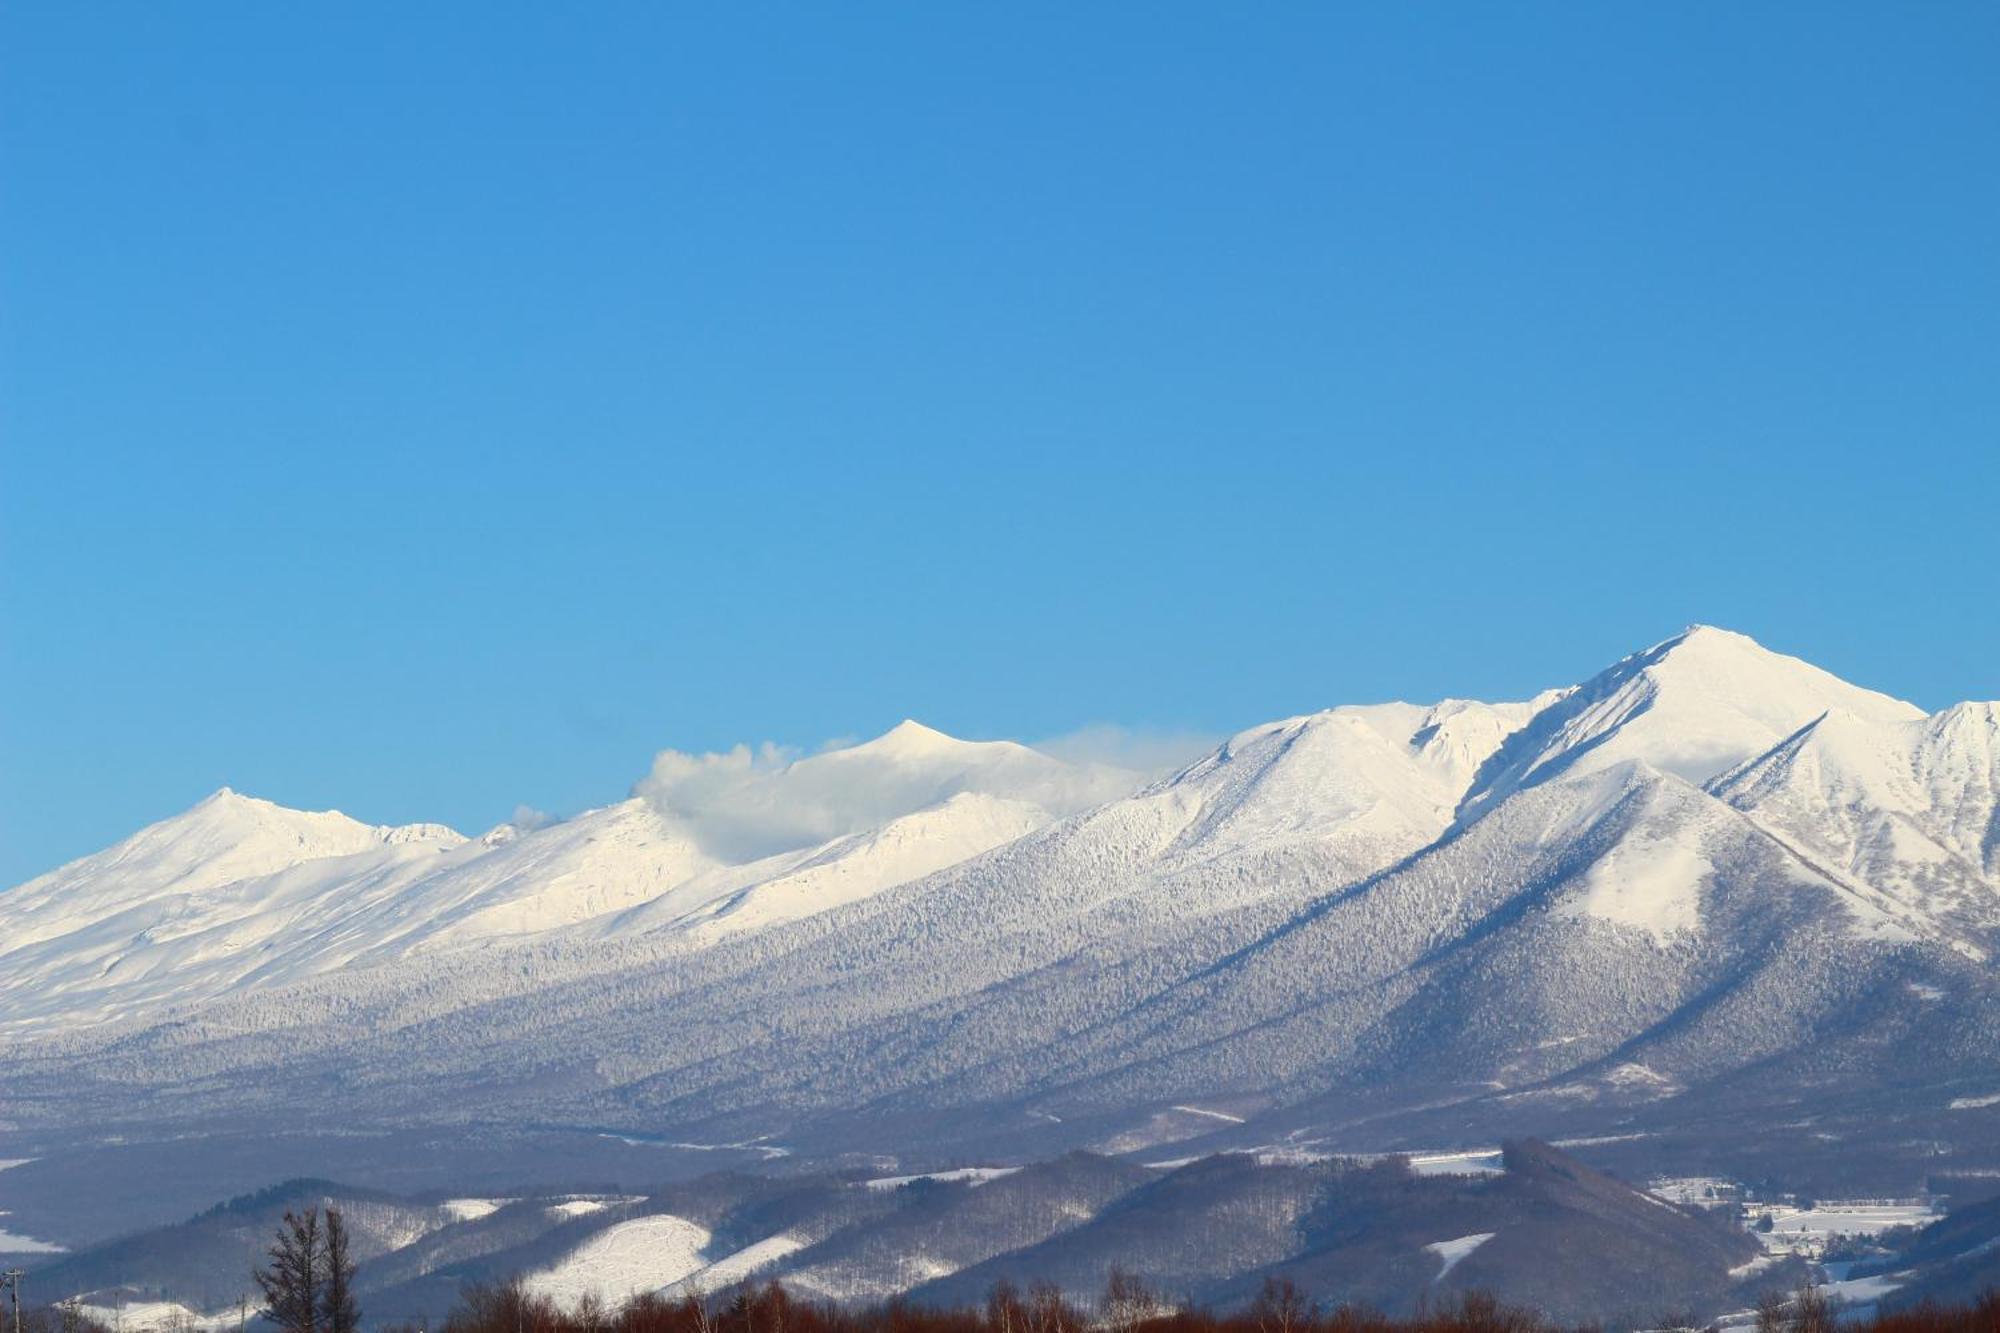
{"points": [[223, 839], [1695, 705], [1972, 722], [910, 741], [912, 736]]}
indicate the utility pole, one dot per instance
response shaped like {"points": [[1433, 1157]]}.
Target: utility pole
{"points": [[12, 1277]]}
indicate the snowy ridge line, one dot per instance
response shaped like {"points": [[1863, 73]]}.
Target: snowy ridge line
{"points": [[1685, 868]]}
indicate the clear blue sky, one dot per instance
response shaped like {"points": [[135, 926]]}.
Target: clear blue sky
{"points": [[426, 408]]}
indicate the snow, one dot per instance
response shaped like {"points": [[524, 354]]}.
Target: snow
{"points": [[643, 1254], [149, 1316], [1905, 806], [471, 1210], [732, 900], [1651, 884], [240, 895], [1696, 1191], [976, 1175], [1692, 706], [1454, 1252], [14, 1243], [569, 1208], [1751, 1267], [1810, 1229], [744, 1263], [1470, 1162], [1215, 1115]]}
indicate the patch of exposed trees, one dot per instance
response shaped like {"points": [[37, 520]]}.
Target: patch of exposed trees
{"points": [[308, 1276], [1127, 1305]]}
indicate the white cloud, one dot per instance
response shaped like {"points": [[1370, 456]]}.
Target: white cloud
{"points": [[744, 803], [527, 818]]}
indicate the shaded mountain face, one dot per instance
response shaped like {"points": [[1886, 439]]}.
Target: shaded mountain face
{"points": [[1909, 808], [1711, 879], [1546, 1231]]}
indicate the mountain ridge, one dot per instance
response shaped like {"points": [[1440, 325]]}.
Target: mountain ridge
{"points": [[1616, 902]]}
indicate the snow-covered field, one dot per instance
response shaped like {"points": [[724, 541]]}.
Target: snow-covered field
{"points": [[144, 1316], [1454, 1252], [471, 1210], [977, 1175], [1809, 1230], [644, 1254], [1470, 1162], [1696, 1191]]}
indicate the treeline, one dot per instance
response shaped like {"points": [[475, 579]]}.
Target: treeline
{"points": [[1127, 1306], [769, 1308]]}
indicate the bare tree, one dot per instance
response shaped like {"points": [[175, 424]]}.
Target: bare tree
{"points": [[292, 1280], [1127, 1302], [1048, 1312], [1003, 1309], [1281, 1307], [339, 1312]]}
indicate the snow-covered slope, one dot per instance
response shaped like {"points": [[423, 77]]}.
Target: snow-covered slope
{"points": [[238, 894], [1911, 808], [225, 838], [640, 1255], [731, 899], [1694, 705]]}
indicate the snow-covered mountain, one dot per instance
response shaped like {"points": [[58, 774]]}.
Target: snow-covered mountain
{"points": [[1707, 874], [1909, 807], [238, 894], [1697, 704]]}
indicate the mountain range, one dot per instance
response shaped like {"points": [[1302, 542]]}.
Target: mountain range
{"points": [[1543, 1230], [1709, 891]]}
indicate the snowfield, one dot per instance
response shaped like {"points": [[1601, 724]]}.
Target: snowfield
{"points": [[1454, 1252], [644, 1254]]}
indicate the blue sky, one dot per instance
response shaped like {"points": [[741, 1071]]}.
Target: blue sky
{"points": [[425, 409]]}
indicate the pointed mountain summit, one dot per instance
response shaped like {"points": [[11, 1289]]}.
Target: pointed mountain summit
{"points": [[1693, 706], [911, 738]]}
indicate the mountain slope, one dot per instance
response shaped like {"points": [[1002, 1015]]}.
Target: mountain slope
{"points": [[240, 895], [1911, 808], [1693, 705], [1348, 928], [1547, 1233], [225, 838]]}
